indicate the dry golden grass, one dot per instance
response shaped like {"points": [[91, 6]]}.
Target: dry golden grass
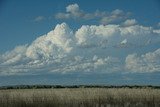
{"points": [[80, 97]]}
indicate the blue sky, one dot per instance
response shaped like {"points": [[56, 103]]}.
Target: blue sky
{"points": [[78, 40]]}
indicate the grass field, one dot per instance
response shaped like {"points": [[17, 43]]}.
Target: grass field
{"points": [[80, 97]]}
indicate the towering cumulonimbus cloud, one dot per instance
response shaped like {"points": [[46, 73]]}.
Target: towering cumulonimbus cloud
{"points": [[100, 49]]}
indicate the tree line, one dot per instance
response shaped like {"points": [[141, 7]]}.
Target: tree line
{"points": [[76, 86]]}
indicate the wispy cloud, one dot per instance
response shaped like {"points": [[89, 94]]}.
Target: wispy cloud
{"points": [[114, 16], [39, 18], [158, 24]]}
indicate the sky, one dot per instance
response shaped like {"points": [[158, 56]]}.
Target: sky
{"points": [[80, 42]]}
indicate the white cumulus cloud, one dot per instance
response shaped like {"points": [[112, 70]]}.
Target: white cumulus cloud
{"points": [[130, 22], [113, 35], [149, 62], [90, 48], [54, 44], [73, 11]]}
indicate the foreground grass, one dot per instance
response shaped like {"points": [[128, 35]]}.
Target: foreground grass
{"points": [[80, 97]]}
